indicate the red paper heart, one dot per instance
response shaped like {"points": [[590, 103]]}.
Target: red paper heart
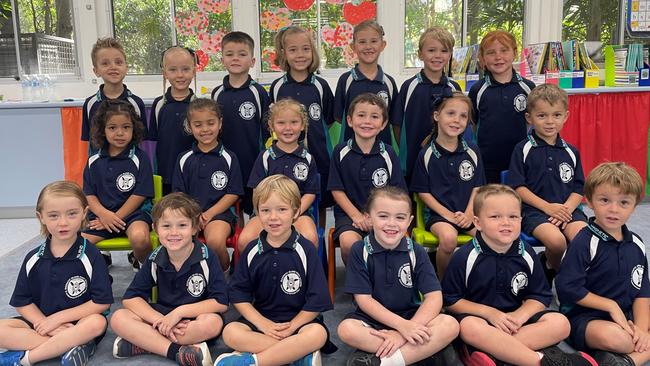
{"points": [[298, 5], [356, 14]]}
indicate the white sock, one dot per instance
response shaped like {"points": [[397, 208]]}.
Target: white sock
{"points": [[255, 358], [395, 360], [540, 354], [24, 361]]}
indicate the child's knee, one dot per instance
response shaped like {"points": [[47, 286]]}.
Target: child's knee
{"points": [[447, 243], [444, 323], [210, 324], [472, 328], [558, 323], [347, 330], [119, 318], [231, 332], [315, 332], [95, 324], [139, 238]]}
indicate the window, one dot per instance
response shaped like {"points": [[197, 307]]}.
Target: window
{"points": [[332, 20], [146, 28], [46, 43], [591, 20]]}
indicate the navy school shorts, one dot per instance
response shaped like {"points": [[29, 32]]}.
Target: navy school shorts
{"points": [[137, 215], [534, 217]]}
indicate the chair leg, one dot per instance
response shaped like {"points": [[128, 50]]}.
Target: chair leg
{"points": [[331, 263]]}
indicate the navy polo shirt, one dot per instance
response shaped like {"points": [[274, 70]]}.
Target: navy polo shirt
{"points": [[207, 177], [299, 165], [596, 262], [316, 96], [55, 284], [354, 82], [356, 173], [244, 129], [199, 278], [113, 179], [449, 176], [388, 274], [499, 111], [167, 118], [92, 104], [552, 172], [280, 282], [413, 113], [501, 280]]}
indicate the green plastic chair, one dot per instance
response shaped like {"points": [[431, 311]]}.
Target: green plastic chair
{"points": [[422, 235]]}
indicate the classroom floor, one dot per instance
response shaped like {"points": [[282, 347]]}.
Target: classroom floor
{"points": [[18, 236]]}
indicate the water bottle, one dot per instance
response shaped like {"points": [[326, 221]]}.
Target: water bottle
{"points": [[37, 94], [26, 85], [48, 88]]}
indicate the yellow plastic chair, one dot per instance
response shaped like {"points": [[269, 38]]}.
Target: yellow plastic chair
{"points": [[422, 235]]}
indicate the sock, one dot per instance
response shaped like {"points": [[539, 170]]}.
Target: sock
{"points": [[540, 354], [395, 360], [24, 361], [172, 351], [255, 358]]}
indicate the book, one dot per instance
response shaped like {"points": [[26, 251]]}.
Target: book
{"points": [[534, 57]]}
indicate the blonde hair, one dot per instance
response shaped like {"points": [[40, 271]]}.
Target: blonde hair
{"points": [[392, 192], [108, 42], [549, 93], [365, 25], [293, 105], [280, 39], [177, 49], [501, 36], [177, 201], [440, 34], [281, 185], [61, 188], [492, 190], [617, 174]]}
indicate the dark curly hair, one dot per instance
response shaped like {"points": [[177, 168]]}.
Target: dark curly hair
{"points": [[110, 108]]}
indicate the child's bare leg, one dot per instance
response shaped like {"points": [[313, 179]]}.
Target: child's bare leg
{"points": [[305, 226], [346, 240], [138, 234], [131, 327], [241, 337], [477, 332], [609, 336], [92, 238], [16, 335], [447, 242], [249, 233], [216, 233], [572, 229], [554, 241], [204, 327], [550, 329], [309, 338]]}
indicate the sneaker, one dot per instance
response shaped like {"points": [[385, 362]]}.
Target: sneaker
{"points": [[612, 359], [11, 358], [554, 356], [195, 355], [107, 258], [581, 358], [134, 262], [360, 358], [235, 359], [79, 355], [446, 356], [550, 273], [471, 356], [312, 359], [123, 348]]}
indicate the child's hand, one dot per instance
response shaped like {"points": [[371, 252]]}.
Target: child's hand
{"points": [[112, 222], [60, 328], [273, 330], [503, 321], [517, 320], [166, 324], [641, 338], [360, 222], [96, 224], [619, 318], [558, 211], [179, 329], [559, 223], [204, 220], [393, 341], [414, 333], [462, 220], [46, 325]]}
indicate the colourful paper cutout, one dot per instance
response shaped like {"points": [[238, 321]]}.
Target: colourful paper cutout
{"points": [[341, 36], [298, 5], [335, 2], [191, 23], [356, 14], [213, 6], [211, 42], [273, 19], [349, 57], [202, 59], [268, 60]]}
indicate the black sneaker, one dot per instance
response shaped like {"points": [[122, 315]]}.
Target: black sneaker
{"points": [[196, 355], [107, 258], [360, 358], [550, 273], [612, 359], [134, 261], [124, 349], [554, 356], [444, 357], [79, 355]]}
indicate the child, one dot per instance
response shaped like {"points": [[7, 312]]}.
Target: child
{"points": [[62, 290], [288, 119], [298, 56], [366, 77], [603, 280], [411, 117], [547, 174], [358, 165], [210, 174], [499, 103], [191, 292], [109, 63], [447, 174], [244, 104], [278, 287], [498, 292], [118, 181], [387, 272], [169, 110]]}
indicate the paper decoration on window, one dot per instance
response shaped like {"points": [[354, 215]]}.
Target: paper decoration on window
{"points": [[357, 13], [340, 36], [349, 57], [268, 60], [202, 59], [298, 5], [273, 19], [189, 24], [211, 42], [213, 6], [335, 2]]}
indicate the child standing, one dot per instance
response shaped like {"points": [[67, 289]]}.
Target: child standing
{"points": [[169, 110], [298, 57], [244, 104], [387, 272], [499, 102], [603, 280], [288, 119], [118, 181], [210, 174], [547, 174], [498, 292], [62, 290], [191, 292], [411, 117], [109, 63], [447, 174], [358, 165], [279, 288], [366, 77]]}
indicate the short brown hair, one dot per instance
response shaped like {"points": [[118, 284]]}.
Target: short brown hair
{"points": [[503, 37], [492, 190], [440, 34], [369, 98], [286, 188], [367, 24], [392, 192], [550, 93], [617, 174], [281, 61], [177, 201], [238, 37], [108, 42], [201, 104], [61, 188]]}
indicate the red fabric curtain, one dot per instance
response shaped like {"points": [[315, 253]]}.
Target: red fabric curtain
{"points": [[75, 151]]}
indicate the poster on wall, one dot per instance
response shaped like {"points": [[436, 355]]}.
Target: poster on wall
{"points": [[638, 18]]}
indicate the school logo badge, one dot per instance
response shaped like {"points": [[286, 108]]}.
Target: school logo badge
{"points": [[195, 284], [125, 182], [300, 171], [75, 287], [219, 180], [637, 276], [518, 283], [379, 177], [290, 282], [566, 172], [314, 112], [520, 102], [247, 110], [404, 275], [466, 170], [384, 95]]}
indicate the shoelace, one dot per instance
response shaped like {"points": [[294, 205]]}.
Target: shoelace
{"points": [[189, 357], [366, 359]]}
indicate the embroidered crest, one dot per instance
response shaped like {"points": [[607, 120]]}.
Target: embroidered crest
{"points": [[75, 287], [125, 182], [195, 284], [290, 282], [219, 180], [404, 275], [379, 177], [247, 110], [518, 283], [466, 170]]}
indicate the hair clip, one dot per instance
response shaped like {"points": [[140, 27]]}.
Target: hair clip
{"points": [[446, 93]]}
